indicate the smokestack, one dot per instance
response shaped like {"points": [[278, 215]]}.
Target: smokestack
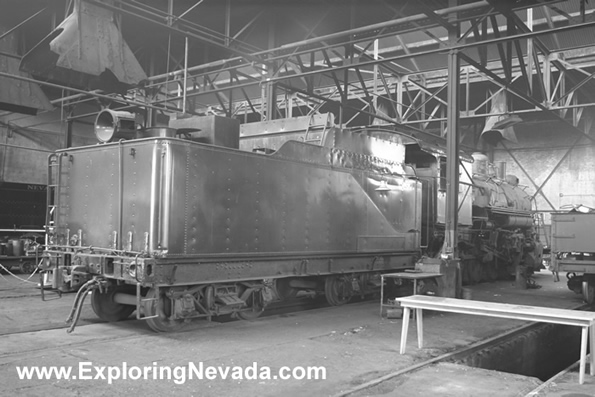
{"points": [[86, 51]]}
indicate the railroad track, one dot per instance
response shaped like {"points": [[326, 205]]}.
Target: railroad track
{"points": [[458, 356]]}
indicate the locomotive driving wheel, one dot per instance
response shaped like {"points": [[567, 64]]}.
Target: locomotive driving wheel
{"points": [[106, 308], [337, 290], [159, 305]]}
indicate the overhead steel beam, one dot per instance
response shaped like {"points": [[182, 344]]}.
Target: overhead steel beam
{"points": [[527, 175], [413, 132], [527, 98], [176, 29], [90, 93], [457, 47]]}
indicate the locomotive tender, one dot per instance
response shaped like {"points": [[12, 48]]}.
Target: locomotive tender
{"points": [[196, 221], [178, 228]]}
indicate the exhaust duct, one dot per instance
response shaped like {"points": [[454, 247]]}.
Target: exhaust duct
{"points": [[499, 126], [16, 95], [86, 51]]}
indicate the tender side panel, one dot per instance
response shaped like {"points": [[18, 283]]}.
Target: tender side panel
{"points": [[231, 202]]}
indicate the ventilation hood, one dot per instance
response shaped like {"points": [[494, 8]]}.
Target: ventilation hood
{"points": [[86, 51], [16, 95]]}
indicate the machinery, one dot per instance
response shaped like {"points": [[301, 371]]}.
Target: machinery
{"points": [[572, 248], [177, 224]]}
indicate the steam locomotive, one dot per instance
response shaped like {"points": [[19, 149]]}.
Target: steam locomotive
{"points": [[200, 219]]}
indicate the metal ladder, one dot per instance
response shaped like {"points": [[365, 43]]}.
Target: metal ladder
{"points": [[140, 301], [539, 223], [53, 191], [309, 132]]}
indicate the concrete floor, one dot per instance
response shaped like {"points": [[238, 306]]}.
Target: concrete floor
{"points": [[352, 342]]}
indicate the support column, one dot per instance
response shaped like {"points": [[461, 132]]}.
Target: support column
{"points": [[450, 252], [452, 157]]}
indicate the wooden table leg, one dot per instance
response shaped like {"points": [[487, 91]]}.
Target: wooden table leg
{"points": [[382, 294], [584, 336], [404, 329], [420, 328], [592, 365]]}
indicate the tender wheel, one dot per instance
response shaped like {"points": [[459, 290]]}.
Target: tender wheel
{"points": [[337, 290], [589, 292], [284, 290], [161, 308], [27, 267], [106, 309], [254, 302]]}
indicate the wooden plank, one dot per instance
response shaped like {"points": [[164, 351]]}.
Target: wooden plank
{"points": [[412, 275], [509, 310], [504, 314]]}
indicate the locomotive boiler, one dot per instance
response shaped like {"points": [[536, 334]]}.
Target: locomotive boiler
{"points": [[496, 237], [178, 224], [502, 237]]}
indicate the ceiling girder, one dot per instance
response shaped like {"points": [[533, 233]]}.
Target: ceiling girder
{"points": [[527, 98]]}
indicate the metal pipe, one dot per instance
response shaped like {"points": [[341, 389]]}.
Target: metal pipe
{"points": [[15, 56], [185, 73], [190, 9], [75, 96], [166, 196], [26, 148], [120, 194], [125, 299], [9, 31], [154, 200], [22, 230], [91, 93], [196, 68]]}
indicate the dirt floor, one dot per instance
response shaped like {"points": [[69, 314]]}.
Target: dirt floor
{"points": [[352, 342]]}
